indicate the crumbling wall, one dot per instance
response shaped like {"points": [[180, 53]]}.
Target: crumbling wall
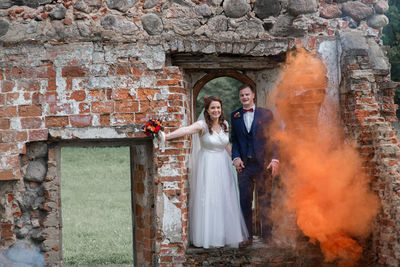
{"points": [[93, 69]]}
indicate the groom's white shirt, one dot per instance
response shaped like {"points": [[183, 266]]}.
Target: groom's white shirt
{"points": [[248, 118]]}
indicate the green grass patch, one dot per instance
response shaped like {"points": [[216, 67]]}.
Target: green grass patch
{"points": [[96, 206]]}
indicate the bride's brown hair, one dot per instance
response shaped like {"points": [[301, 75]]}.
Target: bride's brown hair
{"points": [[221, 119]]}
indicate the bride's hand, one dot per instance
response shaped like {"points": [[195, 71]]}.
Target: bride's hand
{"points": [[161, 139], [239, 165]]}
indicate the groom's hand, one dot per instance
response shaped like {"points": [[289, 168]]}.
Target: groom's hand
{"points": [[274, 166], [238, 163]]}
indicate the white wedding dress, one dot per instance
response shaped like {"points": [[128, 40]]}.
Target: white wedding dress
{"points": [[215, 216]]}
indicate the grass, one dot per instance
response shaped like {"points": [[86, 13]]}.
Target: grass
{"points": [[96, 206]]}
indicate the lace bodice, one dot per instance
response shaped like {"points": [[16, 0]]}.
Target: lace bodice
{"points": [[213, 142]]}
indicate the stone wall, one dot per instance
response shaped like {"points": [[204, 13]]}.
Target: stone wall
{"points": [[93, 70]]}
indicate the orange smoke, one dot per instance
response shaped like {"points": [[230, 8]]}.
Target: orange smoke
{"points": [[326, 187]]}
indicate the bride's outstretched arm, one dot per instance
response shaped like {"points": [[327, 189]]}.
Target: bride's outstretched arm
{"points": [[229, 149], [191, 129]]}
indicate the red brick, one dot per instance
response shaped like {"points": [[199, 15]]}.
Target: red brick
{"points": [[8, 111], [139, 234], [137, 71], [5, 234], [38, 135], [121, 94], [177, 89], [167, 82], [4, 124], [51, 71], [29, 85], [6, 175], [139, 188], [166, 259], [11, 98], [7, 86], [84, 108], [123, 118], [139, 117], [67, 21], [8, 147], [29, 111], [68, 83], [37, 98], [51, 97], [171, 69], [96, 95], [44, 15], [138, 210], [31, 123], [102, 107], [175, 96], [51, 84], [108, 94], [80, 120], [13, 160], [56, 121], [60, 108], [126, 106], [123, 70], [22, 136], [105, 120], [8, 136], [78, 95], [177, 76], [20, 73], [73, 71], [27, 97], [144, 93]]}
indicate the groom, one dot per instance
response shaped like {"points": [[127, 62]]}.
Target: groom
{"points": [[251, 149]]}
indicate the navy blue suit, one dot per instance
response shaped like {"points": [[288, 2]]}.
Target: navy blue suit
{"points": [[255, 149]]}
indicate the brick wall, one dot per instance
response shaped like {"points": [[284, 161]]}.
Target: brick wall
{"points": [[92, 91], [367, 111]]}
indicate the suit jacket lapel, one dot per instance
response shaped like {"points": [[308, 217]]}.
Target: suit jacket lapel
{"points": [[242, 124], [254, 124]]}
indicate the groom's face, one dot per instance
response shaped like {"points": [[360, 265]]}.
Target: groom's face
{"points": [[246, 97]]}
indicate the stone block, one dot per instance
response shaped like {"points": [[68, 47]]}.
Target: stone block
{"points": [[36, 170], [377, 57], [152, 24], [36, 150], [354, 43], [236, 8]]}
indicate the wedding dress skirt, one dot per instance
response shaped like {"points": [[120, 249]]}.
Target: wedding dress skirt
{"points": [[215, 215]]}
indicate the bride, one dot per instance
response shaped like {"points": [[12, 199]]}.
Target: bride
{"points": [[214, 210]]}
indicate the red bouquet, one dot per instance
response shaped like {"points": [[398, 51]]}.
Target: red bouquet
{"points": [[152, 127]]}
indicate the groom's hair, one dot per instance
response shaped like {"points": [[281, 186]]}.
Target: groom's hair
{"points": [[246, 86]]}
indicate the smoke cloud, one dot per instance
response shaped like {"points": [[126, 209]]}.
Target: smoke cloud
{"points": [[22, 253], [325, 189]]}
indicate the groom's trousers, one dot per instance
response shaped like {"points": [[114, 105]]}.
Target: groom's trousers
{"points": [[254, 174]]}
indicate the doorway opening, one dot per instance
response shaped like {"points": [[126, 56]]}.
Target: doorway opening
{"points": [[96, 199], [225, 84], [224, 87]]}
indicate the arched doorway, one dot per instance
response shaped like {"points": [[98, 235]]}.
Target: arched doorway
{"points": [[223, 84]]}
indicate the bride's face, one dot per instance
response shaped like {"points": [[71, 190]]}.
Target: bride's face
{"points": [[214, 110]]}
